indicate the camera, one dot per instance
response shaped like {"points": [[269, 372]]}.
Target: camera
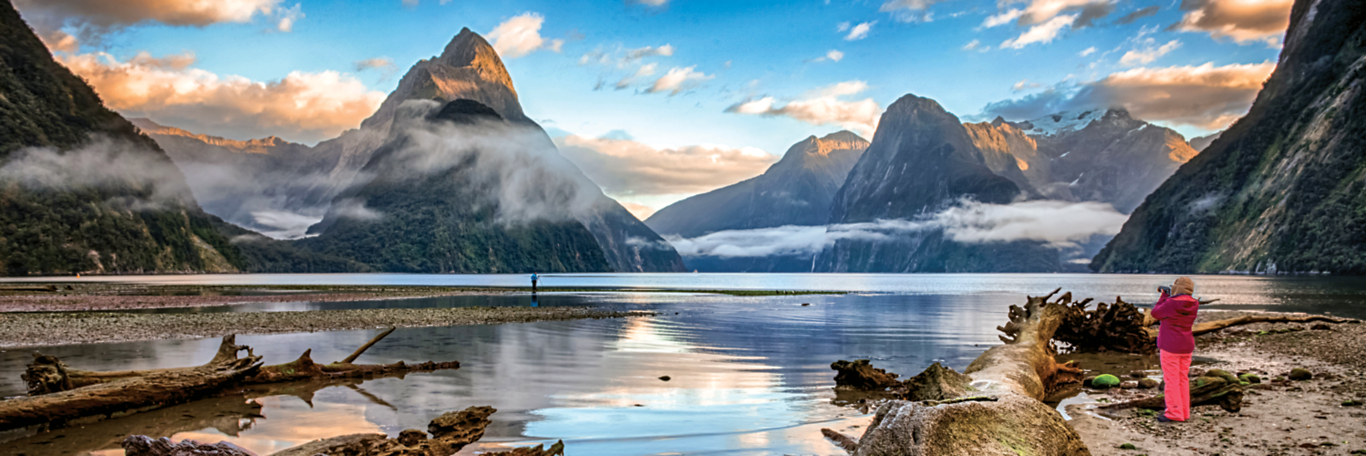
{"points": [[1165, 290]]}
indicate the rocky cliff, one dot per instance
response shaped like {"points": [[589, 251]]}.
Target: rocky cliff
{"points": [[1282, 190]]}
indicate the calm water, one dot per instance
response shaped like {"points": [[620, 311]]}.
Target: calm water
{"points": [[750, 375]]}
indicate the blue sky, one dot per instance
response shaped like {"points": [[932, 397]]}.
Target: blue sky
{"points": [[743, 50]]}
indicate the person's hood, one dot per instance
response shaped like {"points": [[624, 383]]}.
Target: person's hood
{"points": [[1183, 286]]}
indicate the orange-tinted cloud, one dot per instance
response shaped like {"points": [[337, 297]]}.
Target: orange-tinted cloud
{"points": [[1241, 20], [623, 167], [302, 106], [821, 107], [92, 18], [1203, 96]]}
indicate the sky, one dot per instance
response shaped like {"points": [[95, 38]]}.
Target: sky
{"points": [[661, 99]]}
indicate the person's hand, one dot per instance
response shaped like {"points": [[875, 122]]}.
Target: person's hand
{"points": [[1166, 291]]}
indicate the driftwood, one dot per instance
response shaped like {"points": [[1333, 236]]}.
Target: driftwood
{"points": [[156, 389], [1214, 387], [1121, 327], [997, 412], [449, 433], [59, 394]]}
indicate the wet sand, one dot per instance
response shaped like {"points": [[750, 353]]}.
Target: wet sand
{"points": [[64, 297], [69, 328], [1279, 416]]}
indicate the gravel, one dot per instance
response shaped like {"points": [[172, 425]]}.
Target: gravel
{"points": [[68, 328]]}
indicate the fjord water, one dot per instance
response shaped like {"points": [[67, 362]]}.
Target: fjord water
{"points": [[749, 374]]}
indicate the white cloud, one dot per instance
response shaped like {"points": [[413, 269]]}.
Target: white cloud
{"points": [[643, 71], [821, 107], [842, 26], [1024, 84], [302, 106], [893, 5], [521, 35], [1056, 224], [1148, 54], [1244, 21], [1087, 51], [624, 167], [1002, 18], [860, 31], [1203, 96], [831, 55], [653, 2], [1042, 33], [678, 79], [288, 16], [375, 63], [972, 45]]}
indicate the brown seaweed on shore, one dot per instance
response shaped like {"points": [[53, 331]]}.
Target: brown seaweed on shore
{"points": [[60, 396], [449, 433]]}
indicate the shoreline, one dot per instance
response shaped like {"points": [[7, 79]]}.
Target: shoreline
{"points": [[85, 297], [1279, 416], [41, 329]]}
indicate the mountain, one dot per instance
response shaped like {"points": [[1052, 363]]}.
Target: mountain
{"points": [[447, 196], [268, 184], [1097, 155], [1202, 142], [505, 199], [923, 160], [1281, 190], [80, 189], [797, 190]]}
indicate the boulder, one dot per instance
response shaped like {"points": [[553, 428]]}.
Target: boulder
{"points": [[1300, 373], [1105, 381]]}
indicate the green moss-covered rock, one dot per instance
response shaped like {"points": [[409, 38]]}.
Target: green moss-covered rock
{"points": [[1250, 378], [1128, 446], [1300, 373], [1105, 381], [1351, 403]]}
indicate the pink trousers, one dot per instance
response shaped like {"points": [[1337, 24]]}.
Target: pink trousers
{"points": [[1175, 369]]}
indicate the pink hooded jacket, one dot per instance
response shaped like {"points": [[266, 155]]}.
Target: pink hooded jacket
{"points": [[1177, 314]]}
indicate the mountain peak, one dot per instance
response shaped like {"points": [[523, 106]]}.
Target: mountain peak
{"points": [[469, 49]]}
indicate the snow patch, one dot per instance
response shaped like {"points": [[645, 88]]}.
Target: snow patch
{"points": [[1052, 125]]}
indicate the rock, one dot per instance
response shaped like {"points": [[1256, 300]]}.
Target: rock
{"points": [[969, 429], [937, 383], [862, 376], [665, 378], [1129, 384], [141, 445], [1137, 374], [411, 437], [1105, 381], [1321, 327], [1147, 383], [1086, 382], [466, 425], [1250, 378], [539, 450], [1300, 373], [1128, 446], [1351, 403], [1196, 373]]}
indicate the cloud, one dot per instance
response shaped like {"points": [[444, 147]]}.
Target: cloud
{"points": [[283, 224], [302, 106], [1243, 21], [1148, 54], [59, 41], [1042, 33], [1024, 84], [972, 45], [91, 19], [678, 79], [1057, 224], [860, 31], [1203, 96], [642, 72], [145, 178], [842, 26], [648, 51], [1002, 18], [821, 107], [831, 55], [521, 35], [623, 167], [653, 2], [641, 211], [376, 62], [1137, 14], [910, 10], [1087, 51]]}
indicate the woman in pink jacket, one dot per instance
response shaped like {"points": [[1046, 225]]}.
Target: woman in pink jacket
{"points": [[1176, 310]]}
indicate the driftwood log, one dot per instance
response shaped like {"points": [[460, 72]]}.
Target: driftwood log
{"points": [[992, 408], [1214, 387], [449, 433], [59, 394], [1121, 327]]}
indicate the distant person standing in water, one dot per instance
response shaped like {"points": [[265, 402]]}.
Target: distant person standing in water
{"points": [[1176, 311], [534, 278]]}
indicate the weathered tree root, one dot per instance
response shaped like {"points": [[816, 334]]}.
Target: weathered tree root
{"points": [[1003, 415], [1215, 387], [449, 434], [1121, 327], [59, 394]]}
